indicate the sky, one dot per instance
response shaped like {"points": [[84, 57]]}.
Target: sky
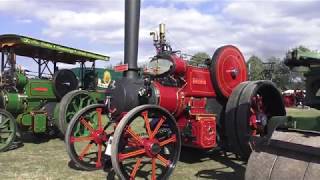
{"points": [[264, 28]]}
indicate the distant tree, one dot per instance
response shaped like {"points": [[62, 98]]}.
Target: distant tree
{"points": [[303, 48], [282, 75], [255, 68], [199, 58]]}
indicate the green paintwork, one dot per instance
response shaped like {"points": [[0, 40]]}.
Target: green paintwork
{"points": [[300, 123], [311, 60], [100, 73], [102, 85], [21, 80], [40, 89], [26, 120], [297, 57], [14, 102], [30, 47], [39, 123], [28, 99]]}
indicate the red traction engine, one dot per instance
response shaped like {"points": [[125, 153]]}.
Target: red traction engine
{"points": [[147, 118], [188, 92]]}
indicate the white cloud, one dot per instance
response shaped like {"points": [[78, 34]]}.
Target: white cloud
{"points": [[24, 21], [264, 28]]}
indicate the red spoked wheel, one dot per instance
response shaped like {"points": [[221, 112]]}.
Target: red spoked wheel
{"points": [[146, 143], [87, 136], [248, 111]]}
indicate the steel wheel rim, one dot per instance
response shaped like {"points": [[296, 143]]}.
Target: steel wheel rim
{"points": [[125, 139], [7, 131], [70, 104], [77, 103], [87, 136]]}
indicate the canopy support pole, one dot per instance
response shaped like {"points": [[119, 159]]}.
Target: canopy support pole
{"points": [[2, 61], [39, 68]]}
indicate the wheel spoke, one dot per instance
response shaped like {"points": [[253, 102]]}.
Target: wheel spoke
{"points": [[135, 169], [147, 123], [6, 131], [98, 163], [155, 131], [4, 122], [80, 139], [168, 141], [81, 103], [99, 110], [153, 175], [134, 135], [123, 156], [85, 151], [74, 106], [164, 161], [86, 124]]}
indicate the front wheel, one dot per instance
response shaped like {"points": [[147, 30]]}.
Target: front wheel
{"points": [[8, 129], [146, 143], [87, 135]]}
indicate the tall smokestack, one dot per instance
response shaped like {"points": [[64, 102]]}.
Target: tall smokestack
{"points": [[131, 39]]}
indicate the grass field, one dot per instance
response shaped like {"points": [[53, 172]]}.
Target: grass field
{"points": [[297, 112], [47, 159]]}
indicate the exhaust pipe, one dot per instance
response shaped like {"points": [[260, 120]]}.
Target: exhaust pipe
{"points": [[131, 40]]}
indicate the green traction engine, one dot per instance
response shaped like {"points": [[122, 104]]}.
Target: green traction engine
{"points": [[44, 102], [292, 148]]}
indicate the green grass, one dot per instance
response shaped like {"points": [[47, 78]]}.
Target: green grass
{"points": [[49, 160], [298, 112]]}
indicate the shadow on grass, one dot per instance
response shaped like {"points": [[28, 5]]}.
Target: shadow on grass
{"points": [[110, 174], [28, 137], [190, 155]]}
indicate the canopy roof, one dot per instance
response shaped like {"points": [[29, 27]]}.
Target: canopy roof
{"points": [[34, 48]]}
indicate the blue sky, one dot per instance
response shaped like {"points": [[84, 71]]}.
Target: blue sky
{"points": [[258, 27]]}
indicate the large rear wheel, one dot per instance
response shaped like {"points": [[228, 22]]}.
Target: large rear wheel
{"points": [[70, 104], [146, 144], [248, 114]]}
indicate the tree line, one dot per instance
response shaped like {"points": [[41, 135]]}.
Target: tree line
{"points": [[272, 68]]}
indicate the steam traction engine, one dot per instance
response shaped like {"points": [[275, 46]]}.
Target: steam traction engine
{"points": [[146, 119]]}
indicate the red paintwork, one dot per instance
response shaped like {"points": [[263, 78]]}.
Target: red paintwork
{"points": [[203, 131], [180, 65], [231, 69], [191, 95], [198, 82], [289, 100], [42, 89], [121, 68], [168, 97], [148, 143]]}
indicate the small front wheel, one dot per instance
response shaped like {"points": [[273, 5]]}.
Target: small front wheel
{"points": [[87, 135], [146, 143], [8, 129]]}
